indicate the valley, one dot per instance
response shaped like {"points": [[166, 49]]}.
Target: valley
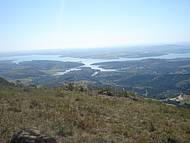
{"points": [[94, 71], [159, 77]]}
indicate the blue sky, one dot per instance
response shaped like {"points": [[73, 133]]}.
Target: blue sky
{"points": [[49, 24]]}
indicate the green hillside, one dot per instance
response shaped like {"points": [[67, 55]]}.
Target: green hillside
{"points": [[4, 83], [77, 115]]}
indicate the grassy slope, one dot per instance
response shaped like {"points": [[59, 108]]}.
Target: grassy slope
{"points": [[73, 116]]}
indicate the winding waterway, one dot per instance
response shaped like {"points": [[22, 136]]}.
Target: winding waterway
{"points": [[86, 61]]}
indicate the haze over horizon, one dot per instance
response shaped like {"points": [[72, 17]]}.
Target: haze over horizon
{"points": [[57, 24]]}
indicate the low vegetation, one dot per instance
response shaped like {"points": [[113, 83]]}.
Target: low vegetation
{"points": [[75, 114]]}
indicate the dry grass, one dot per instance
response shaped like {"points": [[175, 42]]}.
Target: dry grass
{"points": [[73, 117]]}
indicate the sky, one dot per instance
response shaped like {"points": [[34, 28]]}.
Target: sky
{"points": [[57, 24]]}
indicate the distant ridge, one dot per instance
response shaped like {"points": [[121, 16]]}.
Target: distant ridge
{"points": [[5, 83]]}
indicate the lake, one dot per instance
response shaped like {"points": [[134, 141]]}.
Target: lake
{"points": [[86, 61]]}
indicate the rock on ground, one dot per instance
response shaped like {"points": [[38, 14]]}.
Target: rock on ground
{"points": [[31, 136]]}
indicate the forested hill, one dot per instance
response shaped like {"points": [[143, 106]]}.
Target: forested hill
{"points": [[74, 114], [4, 83]]}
